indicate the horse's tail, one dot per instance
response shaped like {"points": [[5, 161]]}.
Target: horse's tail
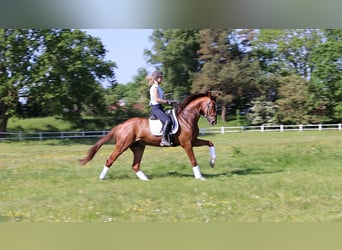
{"points": [[92, 151]]}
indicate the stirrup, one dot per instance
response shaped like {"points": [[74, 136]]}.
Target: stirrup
{"points": [[165, 143]]}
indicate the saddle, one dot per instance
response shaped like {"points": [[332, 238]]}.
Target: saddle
{"points": [[156, 126]]}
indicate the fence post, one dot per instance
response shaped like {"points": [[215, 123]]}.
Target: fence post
{"points": [[319, 126], [281, 128], [339, 126], [20, 135], [202, 131], [222, 130], [40, 136], [301, 127], [262, 128]]}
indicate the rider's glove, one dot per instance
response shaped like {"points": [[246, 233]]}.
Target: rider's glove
{"points": [[171, 102]]}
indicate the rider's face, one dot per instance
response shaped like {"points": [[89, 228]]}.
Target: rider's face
{"points": [[159, 79]]}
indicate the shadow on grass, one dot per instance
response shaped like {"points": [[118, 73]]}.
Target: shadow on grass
{"points": [[227, 173], [243, 171], [176, 174]]}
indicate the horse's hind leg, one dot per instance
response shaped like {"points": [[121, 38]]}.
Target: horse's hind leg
{"points": [[138, 151], [118, 150]]}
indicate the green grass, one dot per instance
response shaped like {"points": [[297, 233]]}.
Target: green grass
{"points": [[46, 124], [269, 177]]}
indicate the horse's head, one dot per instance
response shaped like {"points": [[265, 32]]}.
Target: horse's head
{"points": [[200, 104], [209, 111]]}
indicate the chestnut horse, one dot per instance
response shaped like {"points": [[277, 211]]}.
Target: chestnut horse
{"points": [[135, 134]]}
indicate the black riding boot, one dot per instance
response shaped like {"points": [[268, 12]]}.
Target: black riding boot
{"points": [[165, 137]]}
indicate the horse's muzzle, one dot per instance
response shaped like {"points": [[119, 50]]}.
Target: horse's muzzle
{"points": [[212, 121]]}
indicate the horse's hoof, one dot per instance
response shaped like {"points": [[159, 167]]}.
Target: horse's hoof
{"points": [[201, 179], [141, 176], [212, 163]]}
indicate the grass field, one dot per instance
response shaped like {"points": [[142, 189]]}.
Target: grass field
{"points": [[269, 177]]}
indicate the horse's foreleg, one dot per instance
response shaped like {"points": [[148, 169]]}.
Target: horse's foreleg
{"points": [[200, 142], [138, 151], [195, 168]]}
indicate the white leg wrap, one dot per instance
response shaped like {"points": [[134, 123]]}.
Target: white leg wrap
{"points": [[140, 174], [212, 156], [103, 173], [212, 152], [197, 173]]}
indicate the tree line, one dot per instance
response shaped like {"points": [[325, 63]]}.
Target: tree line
{"points": [[281, 76]]}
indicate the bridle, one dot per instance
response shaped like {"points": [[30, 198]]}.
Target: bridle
{"points": [[207, 114]]}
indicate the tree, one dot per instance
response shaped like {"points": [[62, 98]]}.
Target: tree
{"points": [[292, 100], [128, 100], [17, 53], [327, 75], [290, 53], [227, 67], [55, 71], [175, 53], [262, 112], [69, 74], [287, 51]]}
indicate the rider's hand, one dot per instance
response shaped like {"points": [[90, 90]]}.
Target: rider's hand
{"points": [[171, 102]]}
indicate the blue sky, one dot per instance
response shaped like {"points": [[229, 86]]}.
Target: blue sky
{"points": [[126, 48]]}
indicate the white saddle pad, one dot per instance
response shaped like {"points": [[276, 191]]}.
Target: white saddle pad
{"points": [[156, 125]]}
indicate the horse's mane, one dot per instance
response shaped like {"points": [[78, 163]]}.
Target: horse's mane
{"points": [[188, 100]]}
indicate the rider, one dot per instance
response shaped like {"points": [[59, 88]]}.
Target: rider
{"points": [[156, 100]]}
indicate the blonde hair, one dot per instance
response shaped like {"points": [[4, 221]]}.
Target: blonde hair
{"points": [[150, 80]]}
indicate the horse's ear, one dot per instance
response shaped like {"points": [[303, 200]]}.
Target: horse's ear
{"points": [[213, 94]]}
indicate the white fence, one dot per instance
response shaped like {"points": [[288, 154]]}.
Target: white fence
{"points": [[51, 135], [203, 131], [271, 128]]}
